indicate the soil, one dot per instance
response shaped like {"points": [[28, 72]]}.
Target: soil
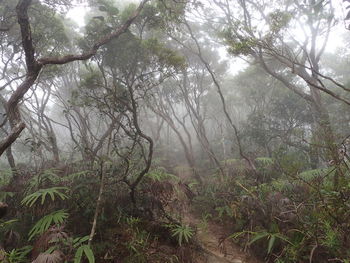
{"points": [[214, 247]]}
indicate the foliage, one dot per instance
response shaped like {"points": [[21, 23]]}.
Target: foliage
{"points": [[53, 192], [224, 210], [7, 223], [5, 177], [57, 217], [157, 119], [84, 250], [160, 175], [279, 20], [315, 174], [139, 239], [183, 233], [256, 236], [18, 255], [264, 161], [73, 177], [42, 179]]}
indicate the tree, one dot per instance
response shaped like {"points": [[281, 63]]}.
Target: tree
{"points": [[35, 65], [263, 33]]}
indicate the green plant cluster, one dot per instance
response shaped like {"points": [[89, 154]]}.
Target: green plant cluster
{"points": [[290, 216]]}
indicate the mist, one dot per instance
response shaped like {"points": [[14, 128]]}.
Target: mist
{"points": [[174, 131]]}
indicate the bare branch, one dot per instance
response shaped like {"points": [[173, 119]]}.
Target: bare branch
{"points": [[7, 141]]}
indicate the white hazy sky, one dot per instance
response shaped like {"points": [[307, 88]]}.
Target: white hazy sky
{"points": [[77, 14]]}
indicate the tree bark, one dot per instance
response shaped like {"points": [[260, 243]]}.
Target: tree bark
{"points": [[98, 204], [11, 160]]}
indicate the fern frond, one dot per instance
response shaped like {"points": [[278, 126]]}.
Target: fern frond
{"points": [[309, 175], [31, 199], [45, 178], [4, 195], [182, 233], [56, 217], [9, 222], [160, 175], [79, 241], [75, 176], [19, 255], [264, 161]]}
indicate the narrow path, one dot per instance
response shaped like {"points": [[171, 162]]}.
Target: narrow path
{"points": [[209, 237]]}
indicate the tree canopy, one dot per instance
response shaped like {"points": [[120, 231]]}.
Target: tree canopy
{"points": [[125, 138]]}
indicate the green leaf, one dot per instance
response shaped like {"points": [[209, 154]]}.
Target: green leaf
{"points": [[89, 253], [284, 238], [79, 240], [258, 236], [56, 217], [182, 232], [78, 255], [238, 234], [31, 199], [50, 250], [264, 161], [9, 222], [271, 243]]}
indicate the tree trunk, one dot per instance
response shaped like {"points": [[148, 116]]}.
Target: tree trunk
{"points": [[11, 161], [98, 205]]}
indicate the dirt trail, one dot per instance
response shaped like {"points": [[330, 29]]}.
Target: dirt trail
{"points": [[209, 238]]}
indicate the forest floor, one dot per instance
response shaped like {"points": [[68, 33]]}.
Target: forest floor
{"points": [[210, 237]]}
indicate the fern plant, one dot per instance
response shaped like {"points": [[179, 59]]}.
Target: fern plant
{"points": [[73, 250], [43, 179], [7, 223], [181, 232], [18, 255], [264, 161], [224, 210], [310, 175], [56, 217], [53, 192], [75, 176], [271, 237], [160, 175], [331, 237], [137, 246]]}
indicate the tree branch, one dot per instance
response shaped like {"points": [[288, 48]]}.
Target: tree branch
{"points": [[34, 66], [104, 40]]}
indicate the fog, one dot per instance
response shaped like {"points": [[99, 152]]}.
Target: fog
{"points": [[174, 131]]}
